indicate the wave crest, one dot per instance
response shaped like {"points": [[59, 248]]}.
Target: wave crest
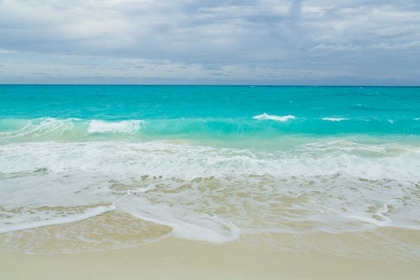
{"points": [[334, 119], [266, 116], [129, 127]]}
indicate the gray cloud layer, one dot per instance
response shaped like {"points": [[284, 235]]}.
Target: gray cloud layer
{"points": [[189, 41]]}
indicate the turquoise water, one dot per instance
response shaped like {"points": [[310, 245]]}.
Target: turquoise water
{"points": [[211, 162], [219, 112]]}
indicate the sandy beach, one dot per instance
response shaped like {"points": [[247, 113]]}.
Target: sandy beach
{"points": [[279, 256]]}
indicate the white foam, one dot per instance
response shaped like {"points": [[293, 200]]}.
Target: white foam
{"points": [[58, 221], [141, 190], [131, 160], [128, 127], [274, 117], [41, 127], [378, 219], [184, 223], [214, 194], [334, 119]]}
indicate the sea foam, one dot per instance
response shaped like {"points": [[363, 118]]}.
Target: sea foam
{"points": [[184, 223], [36, 128], [274, 118], [58, 221], [334, 119], [212, 194], [129, 127]]}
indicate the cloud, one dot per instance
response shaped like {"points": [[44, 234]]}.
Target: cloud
{"points": [[315, 40]]}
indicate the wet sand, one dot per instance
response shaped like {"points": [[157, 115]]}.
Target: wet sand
{"points": [[252, 257]]}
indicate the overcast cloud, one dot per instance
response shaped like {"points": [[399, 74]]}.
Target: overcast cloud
{"points": [[371, 42]]}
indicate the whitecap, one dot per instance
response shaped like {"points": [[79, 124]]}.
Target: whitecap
{"points": [[266, 116], [129, 127], [334, 119]]}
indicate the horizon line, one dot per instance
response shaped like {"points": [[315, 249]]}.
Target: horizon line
{"points": [[229, 85]]}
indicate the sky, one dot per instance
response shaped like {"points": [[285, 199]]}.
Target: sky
{"points": [[268, 42]]}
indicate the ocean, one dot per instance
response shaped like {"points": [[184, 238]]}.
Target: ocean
{"points": [[206, 163]]}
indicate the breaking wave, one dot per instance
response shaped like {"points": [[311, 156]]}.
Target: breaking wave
{"points": [[274, 118]]}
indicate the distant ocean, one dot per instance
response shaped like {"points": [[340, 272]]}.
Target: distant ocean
{"points": [[211, 163]]}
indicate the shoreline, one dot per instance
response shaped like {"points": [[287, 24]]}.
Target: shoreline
{"points": [[250, 257]]}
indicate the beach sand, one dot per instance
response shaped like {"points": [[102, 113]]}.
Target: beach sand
{"points": [[274, 256]]}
